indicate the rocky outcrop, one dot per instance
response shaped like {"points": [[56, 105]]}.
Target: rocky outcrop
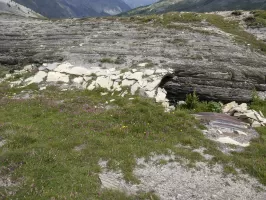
{"points": [[249, 116], [211, 64], [215, 81]]}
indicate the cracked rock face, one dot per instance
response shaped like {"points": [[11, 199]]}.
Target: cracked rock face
{"points": [[212, 64]]}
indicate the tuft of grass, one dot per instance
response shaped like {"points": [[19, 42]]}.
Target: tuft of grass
{"points": [[107, 60], [258, 20]]}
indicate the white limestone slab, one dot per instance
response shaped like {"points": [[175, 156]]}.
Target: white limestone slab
{"points": [[228, 140], [161, 95], [78, 80], [136, 76], [149, 72], [64, 67], [152, 85], [104, 82], [127, 83], [57, 76], [92, 86], [134, 88]]}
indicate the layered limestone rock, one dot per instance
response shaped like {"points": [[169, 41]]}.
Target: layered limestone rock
{"points": [[212, 64]]}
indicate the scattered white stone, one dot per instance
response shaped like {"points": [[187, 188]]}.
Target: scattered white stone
{"points": [[79, 71], [152, 85], [161, 71], [123, 94], [42, 88], [92, 86], [112, 100], [134, 88], [64, 67], [229, 107], [39, 77], [256, 124], [136, 76], [240, 132], [15, 83], [104, 82], [148, 72], [87, 78], [114, 77], [150, 94], [78, 80], [52, 66], [8, 76], [104, 93], [131, 99], [28, 68], [2, 143], [57, 77], [116, 87], [126, 74], [256, 119], [84, 85], [143, 64], [161, 95], [127, 83], [228, 140], [180, 103]]}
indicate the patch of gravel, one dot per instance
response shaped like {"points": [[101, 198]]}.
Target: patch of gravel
{"points": [[175, 181]]}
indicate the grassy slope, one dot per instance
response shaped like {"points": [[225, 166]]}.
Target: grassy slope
{"points": [[43, 133], [231, 27]]}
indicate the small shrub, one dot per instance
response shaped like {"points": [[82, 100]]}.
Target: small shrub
{"points": [[106, 60], [192, 100], [256, 100], [236, 13], [215, 107], [250, 19]]}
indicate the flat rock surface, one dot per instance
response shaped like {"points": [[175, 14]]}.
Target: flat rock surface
{"points": [[227, 130], [176, 181]]}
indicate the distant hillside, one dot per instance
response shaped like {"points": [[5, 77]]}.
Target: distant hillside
{"points": [[8, 6], [75, 8], [199, 6], [138, 3]]}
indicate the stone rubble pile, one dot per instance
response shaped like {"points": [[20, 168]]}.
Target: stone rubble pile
{"points": [[252, 117], [143, 81]]}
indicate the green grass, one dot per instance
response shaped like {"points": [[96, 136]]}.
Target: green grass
{"points": [[259, 19], [107, 60], [239, 34], [42, 135]]}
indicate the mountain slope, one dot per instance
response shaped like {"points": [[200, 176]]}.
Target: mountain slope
{"points": [[138, 3], [200, 6], [8, 6], [74, 8]]}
